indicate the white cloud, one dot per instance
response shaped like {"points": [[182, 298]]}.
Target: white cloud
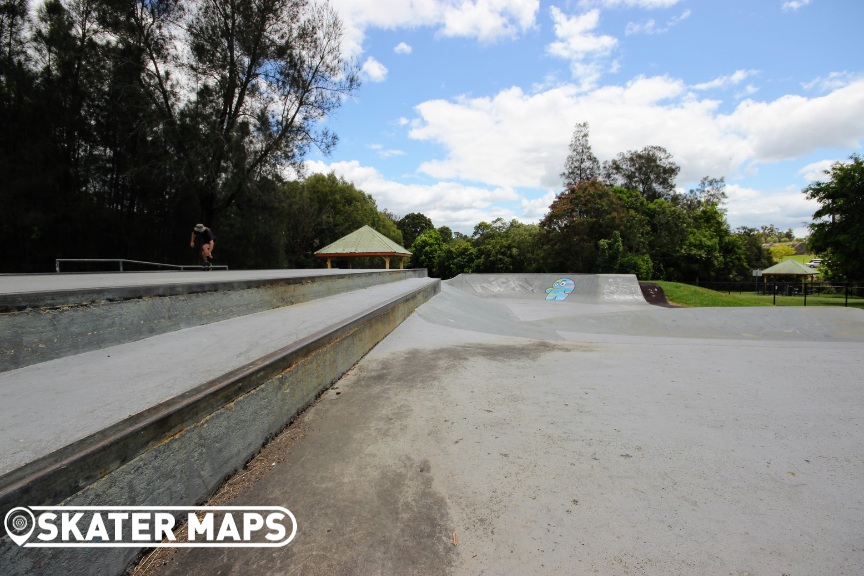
{"points": [[386, 152], [748, 90], [575, 37], [815, 171], [726, 81], [518, 139], [502, 155], [577, 42], [485, 20], [446, 203], [795, 4], [489, 20], [794, 126], [402, 48], [833, 81], [535, 209], [784, 208], [373, 70], [650, 26]]}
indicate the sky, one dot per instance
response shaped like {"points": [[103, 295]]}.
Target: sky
{"points": [[467, 107]]}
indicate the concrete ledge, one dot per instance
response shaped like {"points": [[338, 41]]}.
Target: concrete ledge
{"points": [[38, 326], [179, 452]]}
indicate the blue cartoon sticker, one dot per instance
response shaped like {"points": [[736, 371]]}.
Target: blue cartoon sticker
{"points": [[560, 289]]}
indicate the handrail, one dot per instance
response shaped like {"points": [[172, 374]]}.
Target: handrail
{"points": [[120, 261]]}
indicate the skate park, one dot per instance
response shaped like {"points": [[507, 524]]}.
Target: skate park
{"points": [[471, 426]]}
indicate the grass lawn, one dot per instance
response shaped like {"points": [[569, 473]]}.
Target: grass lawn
{"points": [[801, 258], [695, 297]]}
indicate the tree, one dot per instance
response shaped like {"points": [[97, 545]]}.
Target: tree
{"points": [[426, 251], [446, 234], [581, 163], [578, 218], [837, 230], [669, 230], [651, 171], [458, 257], [413, 225], [320, 210], [124, 123], [781, 251], [240, 87], [757, 257], [609, 252], [502, 246], [709, 191]]}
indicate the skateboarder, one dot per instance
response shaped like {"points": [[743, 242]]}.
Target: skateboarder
{"points": [[203, 238]]}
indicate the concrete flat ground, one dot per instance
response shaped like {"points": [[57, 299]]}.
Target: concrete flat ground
{"points": [[29, 283], [49, 405], [508, 434]]}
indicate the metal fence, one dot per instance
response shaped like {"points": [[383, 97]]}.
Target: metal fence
{"points": [[123, 265], [784, 289]]}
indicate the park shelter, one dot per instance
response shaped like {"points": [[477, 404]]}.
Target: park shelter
{"points": [[364, 242], [788, 271]]}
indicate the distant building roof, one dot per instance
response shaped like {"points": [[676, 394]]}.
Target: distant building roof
{"points": [[363, 242], [789, 268]]}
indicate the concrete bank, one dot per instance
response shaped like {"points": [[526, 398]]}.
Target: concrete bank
{"points": [[263, 369], [47, 316]]}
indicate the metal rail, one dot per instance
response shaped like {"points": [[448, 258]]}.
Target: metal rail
{"points": [[120, 261]]}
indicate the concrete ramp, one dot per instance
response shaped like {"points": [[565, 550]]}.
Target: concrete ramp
{"points": [[556, 288], [612, 305]]}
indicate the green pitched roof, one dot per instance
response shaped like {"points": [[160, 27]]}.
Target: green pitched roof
{"points": [[363, 242], [789, 268]]}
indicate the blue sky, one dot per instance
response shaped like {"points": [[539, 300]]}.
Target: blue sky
{"points": [[467, 106]]}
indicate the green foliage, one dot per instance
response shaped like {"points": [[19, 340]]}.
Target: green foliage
{"points": [[837, 230], [651, 171], [781, 251], [413, 225], [577, 220], [457, 257], [446, 234], [505, 246], [609, 253], [426, 251], [755, 254], [321, 209], [106, 153], [581, 163]]}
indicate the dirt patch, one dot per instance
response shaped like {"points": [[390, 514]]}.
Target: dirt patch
{"points": [[655, 295]]}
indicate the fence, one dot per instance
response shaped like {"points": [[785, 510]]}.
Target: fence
{"points": [[835, 291], [124, 265]]}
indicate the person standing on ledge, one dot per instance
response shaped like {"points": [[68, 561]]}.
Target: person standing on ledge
{"points": [[203, 237]]}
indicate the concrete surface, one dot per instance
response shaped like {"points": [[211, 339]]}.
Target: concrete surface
{"points": [[179, 450], [52, 316], [96, 389], [33, 283], [514, 436]]}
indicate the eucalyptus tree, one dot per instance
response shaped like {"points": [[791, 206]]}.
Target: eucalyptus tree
{"points": [[651, 171], [581, 163], [241, 87]]}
